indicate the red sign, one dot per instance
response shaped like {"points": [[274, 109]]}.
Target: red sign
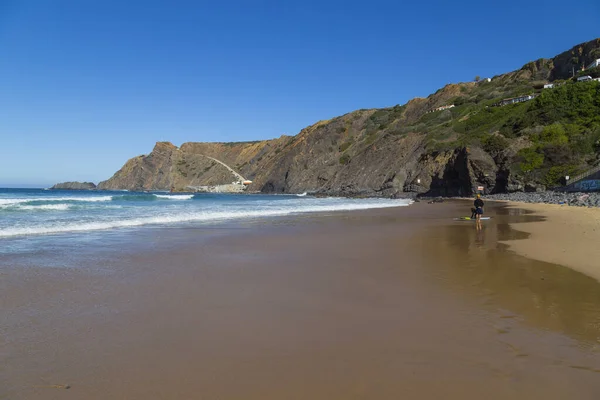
{"points": [[480, 188]]}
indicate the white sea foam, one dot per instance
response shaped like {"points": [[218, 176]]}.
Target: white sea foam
{"points": [[12, 201], [205, 216], [175, 196], [93, 199], [45, 207]]}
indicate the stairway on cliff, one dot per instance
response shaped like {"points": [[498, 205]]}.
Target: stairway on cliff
{"points": [[588, 181]]}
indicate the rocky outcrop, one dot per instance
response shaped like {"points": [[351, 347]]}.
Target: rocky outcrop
{"points": [[456, 173], [74, 186], [168, 167]]}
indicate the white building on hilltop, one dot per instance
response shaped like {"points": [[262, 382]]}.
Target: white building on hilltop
{"points": [[514, 100], [442, 108], [594, 64]]}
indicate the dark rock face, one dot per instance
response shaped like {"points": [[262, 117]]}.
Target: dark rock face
{"points": [[74, 186], [532, 187], [459, 173], [582, 54]]}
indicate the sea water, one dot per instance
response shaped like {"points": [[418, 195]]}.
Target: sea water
{"points": [[31, 214]]}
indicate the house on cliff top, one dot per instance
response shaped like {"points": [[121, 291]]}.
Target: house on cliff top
{"points": [[594, 64], [442, 108], [514, 100]]}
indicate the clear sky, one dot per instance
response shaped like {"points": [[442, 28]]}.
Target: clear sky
{"points": [[87, 84]]}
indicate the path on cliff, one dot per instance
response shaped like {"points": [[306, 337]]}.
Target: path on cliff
{"points": [[241, 178]]}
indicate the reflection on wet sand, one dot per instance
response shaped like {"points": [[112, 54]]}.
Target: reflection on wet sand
{"points": [[543, 295]]}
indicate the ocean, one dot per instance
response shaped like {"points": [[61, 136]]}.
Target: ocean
{"points": [[38, 218]]}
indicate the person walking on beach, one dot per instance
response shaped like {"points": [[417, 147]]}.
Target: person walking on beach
{"points": [[478, 203]]}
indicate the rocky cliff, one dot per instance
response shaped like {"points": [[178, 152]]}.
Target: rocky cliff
{"points": [[334, 157], [406, 148], [74, 186]]}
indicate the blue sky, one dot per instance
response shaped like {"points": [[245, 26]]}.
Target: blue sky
{"points": [[86, 85]]}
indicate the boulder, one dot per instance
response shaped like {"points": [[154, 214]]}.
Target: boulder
{"points": [[533, 187]]}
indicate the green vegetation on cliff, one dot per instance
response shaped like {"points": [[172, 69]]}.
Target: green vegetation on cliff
{"points": [[561, 127]]}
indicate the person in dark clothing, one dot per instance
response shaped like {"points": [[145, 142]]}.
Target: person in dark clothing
{"points": [[478, 210]]}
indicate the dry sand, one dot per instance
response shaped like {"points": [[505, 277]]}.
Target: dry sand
{"points": [[568, 236], [382, 304]]}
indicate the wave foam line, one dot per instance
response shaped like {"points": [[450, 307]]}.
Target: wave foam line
{"points": [[175, 196], [192, 217], [45, 207], [5, 202]]}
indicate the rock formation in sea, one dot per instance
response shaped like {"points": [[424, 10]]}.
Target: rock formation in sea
{"points": [[75, 186]]}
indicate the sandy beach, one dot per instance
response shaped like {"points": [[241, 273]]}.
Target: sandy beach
{"points": [[380, 304], [567, 236]]}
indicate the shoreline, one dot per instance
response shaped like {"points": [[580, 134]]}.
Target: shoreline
{"points": [[574, 248], [567, 236], [579, 199]]}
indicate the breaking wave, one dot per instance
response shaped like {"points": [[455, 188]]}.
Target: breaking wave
{"points": [[10, 202], [175, 196], [45, 207], [183, 216]]}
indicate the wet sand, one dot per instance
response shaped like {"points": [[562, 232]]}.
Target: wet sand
{"points": [[381, 304], [567, 236]]}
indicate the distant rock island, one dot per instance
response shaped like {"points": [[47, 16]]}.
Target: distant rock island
{"points": [[525, 130], [74, 186]]}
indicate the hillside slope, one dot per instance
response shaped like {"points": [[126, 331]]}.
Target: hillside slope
{"points": [[412, 147]]}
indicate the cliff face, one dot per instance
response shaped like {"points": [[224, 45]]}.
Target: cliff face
{"points": [[385, 152], [168, 167], [337, 157], [581, 55]]}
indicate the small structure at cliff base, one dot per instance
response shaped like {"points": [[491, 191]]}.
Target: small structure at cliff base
{"points": [[235, 187]]}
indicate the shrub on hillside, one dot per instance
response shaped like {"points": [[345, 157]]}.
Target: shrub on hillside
{"points": [[344, 159], [553, 134], [458, 101], [345, 146], [557, 154], [495, 144], [586, 142], [556, 174], [529, 159]]}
